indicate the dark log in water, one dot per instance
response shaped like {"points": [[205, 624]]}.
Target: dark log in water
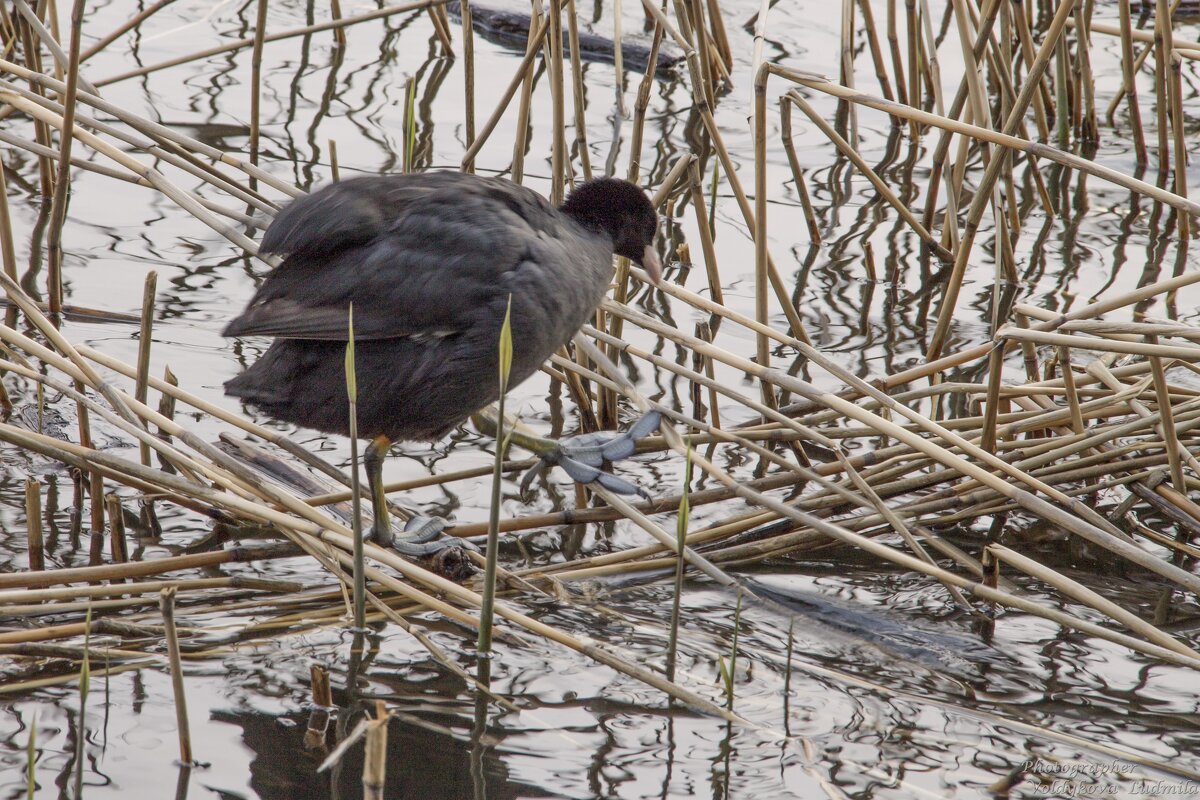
{"points": [[510, 28]]}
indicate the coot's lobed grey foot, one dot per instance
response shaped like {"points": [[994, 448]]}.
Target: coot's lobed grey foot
{"points": [[422, 538], [585, 457]]}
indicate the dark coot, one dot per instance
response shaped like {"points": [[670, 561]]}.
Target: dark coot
{"points": [[429, 262]]}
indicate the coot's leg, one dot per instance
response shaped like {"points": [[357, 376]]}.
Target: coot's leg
{"points": [[421, 536], [381, 528]]}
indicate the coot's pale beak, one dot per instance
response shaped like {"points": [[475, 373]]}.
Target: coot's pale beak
{"points": [[652, 265]]}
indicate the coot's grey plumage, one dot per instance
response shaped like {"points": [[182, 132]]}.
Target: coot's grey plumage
{"points": [[428, 261]]}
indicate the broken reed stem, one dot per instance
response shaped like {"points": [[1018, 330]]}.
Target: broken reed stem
{"points": [[322, 702], [441, 27], [694, 14], [640, 106], [761, 277], [8, 255], [1163, 39], [468, 50], [1085, 84], [335, 13], [260, 31], [1167, 427], [914, 70], [62, 183], [707, 248], [96, 501], [938, 159], [558, 148], [1177, 129], [187, 146], [178, 143], [789, 147], [893, 38], [533, 45], [618, 58], [375, 754], [523, 68], [336, 534], [33, 524], [681, 534], [409, 144], [143, 358], [33, 63], [1068, 378], [119, 546], [577, 93], [167, 606], [151, 174], [885, 85]]}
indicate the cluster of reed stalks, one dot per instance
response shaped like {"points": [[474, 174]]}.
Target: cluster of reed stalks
{"points": [[1098, 428]]}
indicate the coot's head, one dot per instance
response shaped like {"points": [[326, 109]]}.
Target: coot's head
{"points": [[623, 211]]}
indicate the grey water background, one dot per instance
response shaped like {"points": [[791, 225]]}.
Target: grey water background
{"points": [[893, 692]]}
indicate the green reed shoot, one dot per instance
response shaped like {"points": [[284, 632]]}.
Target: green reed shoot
{"points": [[487, 607], [410, 124], [729, 667], [681, 529], [360, 579]]}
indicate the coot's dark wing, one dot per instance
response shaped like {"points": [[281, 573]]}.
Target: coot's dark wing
{"points": [[417, 255], [346, 214]]}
